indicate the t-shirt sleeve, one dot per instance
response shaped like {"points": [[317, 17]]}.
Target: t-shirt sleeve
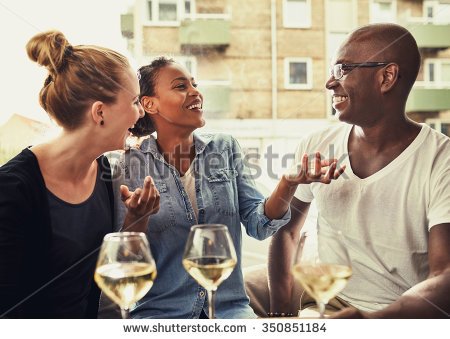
{"points": [[439, 209], [303, 192]]}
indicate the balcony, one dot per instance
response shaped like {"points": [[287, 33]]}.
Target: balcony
{"points": [[127, 25], [217, 99], [430, 35], [428, 100], [209, 33]]}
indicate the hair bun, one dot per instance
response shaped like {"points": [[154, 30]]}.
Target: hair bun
{"points": [[49, 49]]}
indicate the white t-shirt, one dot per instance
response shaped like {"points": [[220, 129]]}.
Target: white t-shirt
{"points": [[385, 217], [188, 181]]}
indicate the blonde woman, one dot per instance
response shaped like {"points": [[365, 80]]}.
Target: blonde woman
{"points": [[56, 198]]}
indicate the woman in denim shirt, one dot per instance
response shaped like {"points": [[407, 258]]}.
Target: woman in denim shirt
{"points": [[201, 179]]}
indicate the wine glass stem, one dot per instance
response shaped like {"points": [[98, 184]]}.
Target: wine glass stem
{"points": [[211, 301], [321, 309], [125, 313]]}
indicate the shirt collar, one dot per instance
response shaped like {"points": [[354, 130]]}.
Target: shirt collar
{"points": [[149, 145]]}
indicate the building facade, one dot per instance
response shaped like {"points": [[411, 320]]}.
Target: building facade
{"points": [[269, 59]]}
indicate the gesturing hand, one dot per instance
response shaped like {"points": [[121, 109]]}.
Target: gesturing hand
{"points": [[322, 171], [141, 203]]}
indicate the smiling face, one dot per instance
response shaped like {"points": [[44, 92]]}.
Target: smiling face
{"points": [[356, 96], [120, 116], [177, 102]]}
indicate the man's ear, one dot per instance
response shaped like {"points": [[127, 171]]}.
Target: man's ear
{"points": [[150, 104], [389, 77], [97, 112]]}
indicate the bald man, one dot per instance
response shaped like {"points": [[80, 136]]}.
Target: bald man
{"points": [[392, 203]]}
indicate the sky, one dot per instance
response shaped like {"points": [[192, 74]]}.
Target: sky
{"points": [[82, 22]]}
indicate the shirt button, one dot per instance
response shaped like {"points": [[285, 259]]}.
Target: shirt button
{"points": [[202, 294]]}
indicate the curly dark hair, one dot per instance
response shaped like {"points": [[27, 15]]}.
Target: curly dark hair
{"points": [[147, 80]]}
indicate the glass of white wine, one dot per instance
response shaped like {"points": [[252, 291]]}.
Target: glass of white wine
{"points": [[322, 265], [125, 269], [209, 257]]}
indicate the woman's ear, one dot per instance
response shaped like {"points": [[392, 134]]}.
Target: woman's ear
{"points": [[390, 77], [149, 104], [97, 113]]}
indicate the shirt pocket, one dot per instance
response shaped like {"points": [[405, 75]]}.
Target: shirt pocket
{"points": [[165, 218], [221, 184]]}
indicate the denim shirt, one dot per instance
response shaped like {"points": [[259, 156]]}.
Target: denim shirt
{"points": [[226, 194]]}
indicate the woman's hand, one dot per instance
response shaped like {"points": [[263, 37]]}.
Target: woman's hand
{"points": [[322, 171], [140, 205]]}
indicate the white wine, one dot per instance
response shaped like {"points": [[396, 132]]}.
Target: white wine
{"points": [[322, 281], [209, 271], [125, 283]]}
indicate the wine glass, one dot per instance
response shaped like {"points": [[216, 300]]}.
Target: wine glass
{"points": [[209, 257], [322, 265], [125, 269]]}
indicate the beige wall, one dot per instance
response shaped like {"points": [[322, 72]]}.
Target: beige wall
{"points": [[253, 14], [251, 104], [407, 8], [249, 42], [211, 6], [363, 12], [301, 104], [161, 40]]}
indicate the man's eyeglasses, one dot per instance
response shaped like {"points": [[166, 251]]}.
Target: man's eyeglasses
{"points": [[337, 71]]}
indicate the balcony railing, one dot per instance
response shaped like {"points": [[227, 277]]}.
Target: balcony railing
{"points": [[428, 99], [210, 32], [217, 98]]}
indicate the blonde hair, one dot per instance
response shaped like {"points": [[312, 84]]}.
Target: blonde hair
{"points": [[78, 76]]}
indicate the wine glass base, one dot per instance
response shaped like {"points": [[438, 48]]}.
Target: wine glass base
{"points": [[310, 313]]}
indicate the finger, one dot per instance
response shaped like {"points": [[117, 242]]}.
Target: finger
{"points": [[304, 167], [338, 173], [327, 162], [330, 173], [146, 190], [124, 192], [134, 201], [317, 167], [152, 188], [153, 200]]}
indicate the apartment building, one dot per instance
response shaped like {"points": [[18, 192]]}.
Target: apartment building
{"points": [[269, 59]]}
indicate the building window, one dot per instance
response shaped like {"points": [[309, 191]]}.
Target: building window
{"points": [[163, 11], [383, 11], [298, 73], [437, 72], [187, 7], [442, 126], [437, 12], [345, 10], [297, 13], [190, 63]]}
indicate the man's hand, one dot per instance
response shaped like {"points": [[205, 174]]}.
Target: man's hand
{"points": [[322, 171], [140, 205], [350, 313]]}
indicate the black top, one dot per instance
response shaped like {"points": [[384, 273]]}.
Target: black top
{"points": [[77, 229], [27, 240]]}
